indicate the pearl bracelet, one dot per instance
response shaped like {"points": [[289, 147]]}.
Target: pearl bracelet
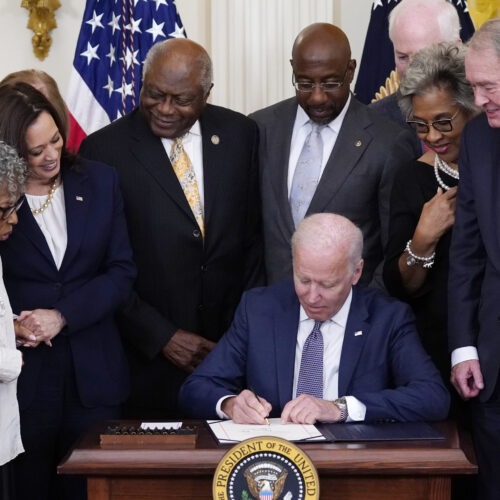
{"points": [[427, 262]]}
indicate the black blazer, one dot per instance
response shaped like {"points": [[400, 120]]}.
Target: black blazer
{"points": [[183, 281]]}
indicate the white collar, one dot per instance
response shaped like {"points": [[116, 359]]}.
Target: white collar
{"points": [[302, 117], [340, 317]]}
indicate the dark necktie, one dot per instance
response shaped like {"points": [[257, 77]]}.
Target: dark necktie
{"points": [[311, 365]]}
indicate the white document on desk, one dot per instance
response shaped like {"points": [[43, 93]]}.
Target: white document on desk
{"points": [[226, 431]]}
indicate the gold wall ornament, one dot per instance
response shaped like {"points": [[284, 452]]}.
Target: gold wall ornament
{"points": [[391, 85], [42, 21]]}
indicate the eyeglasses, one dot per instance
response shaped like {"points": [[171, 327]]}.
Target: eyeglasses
{"points": [[443, 125], [6, 212], [308, 87]]}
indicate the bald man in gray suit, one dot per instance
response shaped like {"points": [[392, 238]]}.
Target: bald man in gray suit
{"points": [[361, 151]]}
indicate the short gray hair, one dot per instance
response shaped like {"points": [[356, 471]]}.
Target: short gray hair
{"points": [[439, 66], [487, 37], [13, 172], [442, 11], [331, 232], [202, 60]]}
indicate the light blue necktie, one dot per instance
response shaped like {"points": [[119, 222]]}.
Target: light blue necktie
{"points": [[307, 173], [311, 364]]}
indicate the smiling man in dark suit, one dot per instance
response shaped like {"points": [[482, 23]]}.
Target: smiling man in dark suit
{"points": [[196, 257], [360, 151], [474, 275]]}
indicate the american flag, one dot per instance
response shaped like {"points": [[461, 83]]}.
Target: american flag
{"points": [[106, 76], [377, 60]]}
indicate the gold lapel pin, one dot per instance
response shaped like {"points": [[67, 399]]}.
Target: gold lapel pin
{"points": [[215, 139], [358, 143]]}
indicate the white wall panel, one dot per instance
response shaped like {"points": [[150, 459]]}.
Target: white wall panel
{"points": [[251, 45]]}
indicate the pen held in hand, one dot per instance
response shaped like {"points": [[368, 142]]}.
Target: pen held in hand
{"points": [[258, 399]]}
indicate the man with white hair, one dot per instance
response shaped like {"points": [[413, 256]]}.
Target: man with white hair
{"points": [[474, 285], [321, 348], [414, 25]]}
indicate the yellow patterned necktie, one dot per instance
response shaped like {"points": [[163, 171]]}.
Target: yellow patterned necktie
{"points": [[184, 171]]}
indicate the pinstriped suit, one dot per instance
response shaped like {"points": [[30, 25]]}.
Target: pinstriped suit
{"points": [[183, 281]]}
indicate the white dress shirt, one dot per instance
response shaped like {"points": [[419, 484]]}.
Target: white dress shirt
{"points": [[52, 222], [333, 337], [301, 130]]}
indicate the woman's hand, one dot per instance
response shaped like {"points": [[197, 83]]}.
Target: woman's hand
{"points": [[24, 336], [44, 324], [438, 215]]}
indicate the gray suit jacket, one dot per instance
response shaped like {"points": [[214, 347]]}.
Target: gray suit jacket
{"points": [[356, 181]]}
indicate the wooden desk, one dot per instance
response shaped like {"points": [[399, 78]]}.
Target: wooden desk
{"points": [[413, 470]]}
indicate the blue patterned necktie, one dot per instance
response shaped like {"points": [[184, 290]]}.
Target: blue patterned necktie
{"points": [[307, 173], [311, 365]]}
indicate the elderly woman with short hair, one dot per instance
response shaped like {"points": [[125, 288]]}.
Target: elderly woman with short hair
{"points": [[12, 178], [437, 101]]}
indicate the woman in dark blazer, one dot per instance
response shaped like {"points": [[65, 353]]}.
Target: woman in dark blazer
{"points": [[68, 267]]}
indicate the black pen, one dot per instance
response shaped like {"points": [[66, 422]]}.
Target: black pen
{"points": [[258, 398]]}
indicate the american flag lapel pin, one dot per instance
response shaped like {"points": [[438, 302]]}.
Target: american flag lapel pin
{"points": [[358, 333], [79, 198]]}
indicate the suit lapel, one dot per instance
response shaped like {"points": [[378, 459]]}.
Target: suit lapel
{"points": [[149, 152], [494, 162], [285, 338], [215, 139], [28, 226], [350, 145], [279, 154], [77, 201], [356, 332]]}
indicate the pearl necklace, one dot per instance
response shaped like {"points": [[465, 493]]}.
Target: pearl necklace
{"points": [[439, 164], [48, 201]]}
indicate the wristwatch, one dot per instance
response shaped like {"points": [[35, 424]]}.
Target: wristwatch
{"points": [[341, 404]]}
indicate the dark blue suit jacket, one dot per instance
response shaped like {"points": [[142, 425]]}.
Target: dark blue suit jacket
{"points": [[95, 277], [386, 367], [474, 283]]}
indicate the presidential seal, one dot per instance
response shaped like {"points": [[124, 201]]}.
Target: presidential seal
{"points": [[265, 468]]}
